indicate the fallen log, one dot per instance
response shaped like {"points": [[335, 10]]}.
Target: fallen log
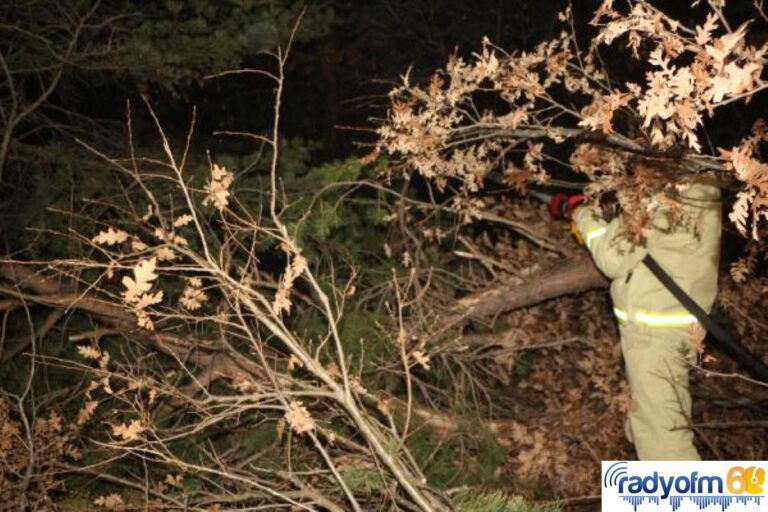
{"points": [[574, 275], [34, 287]]}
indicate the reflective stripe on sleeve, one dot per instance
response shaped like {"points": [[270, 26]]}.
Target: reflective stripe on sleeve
{"points": [[663, 320], [656, 319], [592, 234]]}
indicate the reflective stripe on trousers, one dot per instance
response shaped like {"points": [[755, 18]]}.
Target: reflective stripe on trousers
{"points": [[656, 319]]}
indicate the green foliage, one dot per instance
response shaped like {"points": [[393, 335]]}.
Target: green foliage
{"points": [[471, 500], [255, 438], [333, 173], [364, 343], [199, 37], [363, 479], [470, 456], [127, 46], [296, 155], [322, 215]]}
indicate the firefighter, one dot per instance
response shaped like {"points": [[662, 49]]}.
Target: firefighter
{"points": [[658, 335]]}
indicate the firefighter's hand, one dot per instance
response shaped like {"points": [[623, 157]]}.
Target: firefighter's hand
{"points": [[576, 233], [562, 205]]}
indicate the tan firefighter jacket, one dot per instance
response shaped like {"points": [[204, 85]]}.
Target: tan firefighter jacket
{"points": [[689, 252]]}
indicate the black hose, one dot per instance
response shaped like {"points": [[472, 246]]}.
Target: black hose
{"points": [[723, 339]]}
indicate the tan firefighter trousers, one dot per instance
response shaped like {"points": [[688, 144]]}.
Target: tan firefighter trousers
{"points": [[657, 363]]}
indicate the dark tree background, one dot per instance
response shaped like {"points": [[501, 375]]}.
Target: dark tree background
{"points": [[346, 58]]}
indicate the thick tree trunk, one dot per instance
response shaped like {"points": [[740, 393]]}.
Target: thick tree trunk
{"points": [[570, 276], [574, 275]]}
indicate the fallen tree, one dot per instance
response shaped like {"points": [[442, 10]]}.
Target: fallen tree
{"points": [[193, 292], [567, 277], [560, 106]]}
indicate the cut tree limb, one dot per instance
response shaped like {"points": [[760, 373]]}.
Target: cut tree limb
{"points": [[17, 346], [574, 275], [34, 287]]}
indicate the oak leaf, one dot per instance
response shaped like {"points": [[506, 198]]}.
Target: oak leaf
{"points": [[110, 237], [183, 220], [86, 412], [111, 501], [128, 432], [298, 418], [144, 274], [89, 352], [165, 254]]}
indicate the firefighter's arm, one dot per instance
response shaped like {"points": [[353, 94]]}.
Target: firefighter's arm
{"points": [[613, 253]]}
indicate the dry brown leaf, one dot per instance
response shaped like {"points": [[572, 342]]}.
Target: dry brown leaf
{"points": [[110, 237], [298, 418], [218, 188], [193, 297], [128, 432], [183, 220], [144, 274], [89, 352], [111, 501], [86, 412], [165, 254], [422, 358]]}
